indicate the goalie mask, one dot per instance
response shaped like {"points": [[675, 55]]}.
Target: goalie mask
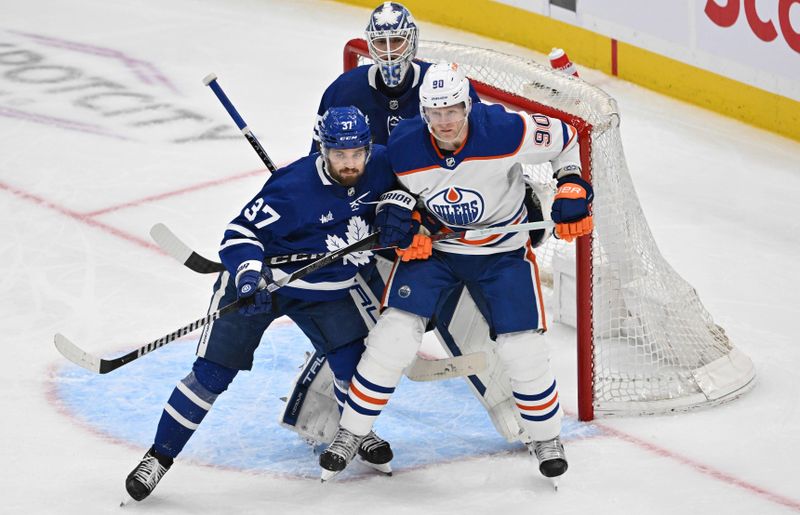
{"points": [[392, 39]]}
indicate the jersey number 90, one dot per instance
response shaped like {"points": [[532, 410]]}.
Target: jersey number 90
{"points": [[542, 135]]}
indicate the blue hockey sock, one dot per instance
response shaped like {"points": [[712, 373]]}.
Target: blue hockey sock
{"points": [[187, 406], [343, 363]]}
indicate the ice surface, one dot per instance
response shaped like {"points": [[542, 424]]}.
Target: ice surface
{"points": [[106, 129]]}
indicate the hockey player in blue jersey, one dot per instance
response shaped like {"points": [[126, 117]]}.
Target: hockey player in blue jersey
{"points": [[460, 160], [317, 204]]}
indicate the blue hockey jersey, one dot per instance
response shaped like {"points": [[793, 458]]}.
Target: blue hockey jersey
{"points": [[359, 87], [300, 209]]}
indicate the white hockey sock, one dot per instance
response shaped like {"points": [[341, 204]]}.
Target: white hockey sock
{"points": [[537, 402], [391, 346], [527, 361]]}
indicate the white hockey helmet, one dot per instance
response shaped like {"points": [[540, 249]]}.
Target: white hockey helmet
{"points": [[444, 85]]}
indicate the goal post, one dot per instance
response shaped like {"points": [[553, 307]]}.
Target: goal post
{"points": [[645, 342]]}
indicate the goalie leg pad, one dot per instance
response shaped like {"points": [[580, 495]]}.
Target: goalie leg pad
{"points": [[312, 410], [526, 358], [391, 347]]}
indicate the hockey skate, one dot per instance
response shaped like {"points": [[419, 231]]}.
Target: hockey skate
{"points": [[339, 453], [375, 452], [143, 479], [551, 456]]}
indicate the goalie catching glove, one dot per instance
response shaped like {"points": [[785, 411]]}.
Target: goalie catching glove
{"points": [[570, 209], [399, 225]]}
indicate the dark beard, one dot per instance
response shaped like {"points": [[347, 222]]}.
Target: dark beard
{"points": [[349, 180]]}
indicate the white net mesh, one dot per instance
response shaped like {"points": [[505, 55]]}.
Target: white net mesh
{"points": [[655, 348]]}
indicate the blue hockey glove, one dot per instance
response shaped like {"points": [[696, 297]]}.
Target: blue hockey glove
{"points": [[393, 218], [570, 209], [248, 287]]}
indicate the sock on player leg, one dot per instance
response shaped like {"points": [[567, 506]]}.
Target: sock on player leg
{"points": [[391, 346], [527, 361], [187, 406]]}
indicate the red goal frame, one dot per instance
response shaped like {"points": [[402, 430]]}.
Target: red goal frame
{"points": [[357, 48]]}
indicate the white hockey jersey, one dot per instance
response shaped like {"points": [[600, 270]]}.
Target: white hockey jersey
{"points": [[478, 186]]}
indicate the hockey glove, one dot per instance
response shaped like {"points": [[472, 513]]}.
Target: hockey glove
{"points": [[570, 209], [251, 286], [421, 248], [393, 218]]}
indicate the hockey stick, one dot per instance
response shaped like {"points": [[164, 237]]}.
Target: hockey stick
{"points": [[423, 369], [210, 80], [101, 366], [420, 369], [175, 247]]}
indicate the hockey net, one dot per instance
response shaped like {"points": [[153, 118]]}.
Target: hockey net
{"points": [[646, 344]]}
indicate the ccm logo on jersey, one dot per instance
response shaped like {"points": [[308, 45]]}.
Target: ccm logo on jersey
{"points": [[457, 206]]}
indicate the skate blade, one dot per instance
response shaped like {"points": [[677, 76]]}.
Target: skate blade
{"points": [[327, 475], [383, 468]]}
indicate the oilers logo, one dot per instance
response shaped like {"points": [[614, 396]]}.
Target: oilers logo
{"points": [[456, 206]]}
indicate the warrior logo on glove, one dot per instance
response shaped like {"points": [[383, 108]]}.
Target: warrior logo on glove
{"points": [[570, 209]]}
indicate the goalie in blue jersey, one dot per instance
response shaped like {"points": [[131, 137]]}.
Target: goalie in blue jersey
{"points": [[315, 205]]}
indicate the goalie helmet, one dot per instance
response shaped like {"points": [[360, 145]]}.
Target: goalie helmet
{"points": [[392, 39], [344, 127], [444, 85]]}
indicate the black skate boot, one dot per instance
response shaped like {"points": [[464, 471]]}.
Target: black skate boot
{"points": [[339, 453], [144, 478], [375, 452], [551, 456]]}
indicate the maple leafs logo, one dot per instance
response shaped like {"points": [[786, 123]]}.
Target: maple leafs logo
{"points": [[387, 16], [357, 229]]}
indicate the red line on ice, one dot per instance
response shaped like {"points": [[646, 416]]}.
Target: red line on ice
{"points": [[30, 197], [643, 444], [701, 467], [181, 191]]}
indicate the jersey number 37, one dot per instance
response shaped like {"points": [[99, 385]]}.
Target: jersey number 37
{"points": [[251, 213]]}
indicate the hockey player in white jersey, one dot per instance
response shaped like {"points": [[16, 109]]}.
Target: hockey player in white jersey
{"points": [[387, 91], [458, 160]]}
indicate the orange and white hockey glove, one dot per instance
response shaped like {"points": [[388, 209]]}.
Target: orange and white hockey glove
{"points": [[570, 209], [421, 248], [421, 245]]}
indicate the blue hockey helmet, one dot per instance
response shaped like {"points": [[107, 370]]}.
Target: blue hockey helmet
{"points": [[392, 39], [344, 127]]}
